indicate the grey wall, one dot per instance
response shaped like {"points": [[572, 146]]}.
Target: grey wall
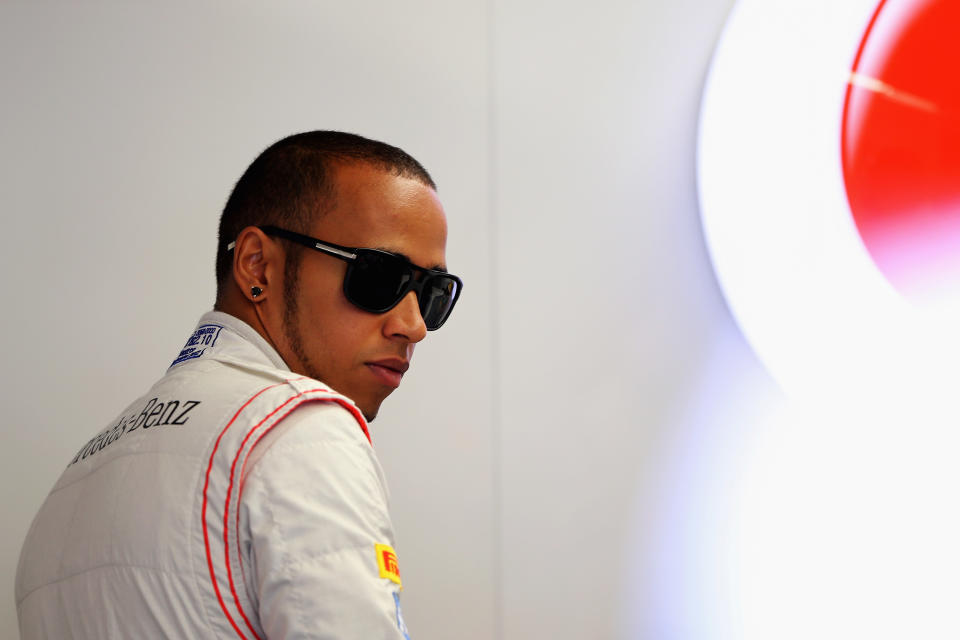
{"points": [[525, 451]]}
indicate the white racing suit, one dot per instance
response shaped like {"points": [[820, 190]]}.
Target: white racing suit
{"points": [[234, 499]]}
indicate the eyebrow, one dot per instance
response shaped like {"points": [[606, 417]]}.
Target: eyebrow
{"points": [[436, 267]]}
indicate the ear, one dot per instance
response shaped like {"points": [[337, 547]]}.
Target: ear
{"points": [[257, 262]]}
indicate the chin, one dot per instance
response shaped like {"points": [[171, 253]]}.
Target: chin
{"points": [[368, 409]]}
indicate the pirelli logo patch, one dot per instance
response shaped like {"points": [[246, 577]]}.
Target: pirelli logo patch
{"points": [[387, 561]]}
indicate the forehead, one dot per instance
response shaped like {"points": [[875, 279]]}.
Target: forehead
{"points": [[371, 207]]}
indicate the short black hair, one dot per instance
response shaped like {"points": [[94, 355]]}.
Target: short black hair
{"points": [[289, 185]]}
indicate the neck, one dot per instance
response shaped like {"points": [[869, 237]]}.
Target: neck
{"points": [[236, 304]]}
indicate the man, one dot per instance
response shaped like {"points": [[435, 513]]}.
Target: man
{"points": [[240, 496]]}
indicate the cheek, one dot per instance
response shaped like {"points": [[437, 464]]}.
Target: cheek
{"points": [[342, 334], [321, 297]]}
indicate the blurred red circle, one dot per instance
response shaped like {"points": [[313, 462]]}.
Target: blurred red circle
{"points": [[901, 144]]}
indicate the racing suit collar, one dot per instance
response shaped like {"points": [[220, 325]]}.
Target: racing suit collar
{"points": [[220, 335]]}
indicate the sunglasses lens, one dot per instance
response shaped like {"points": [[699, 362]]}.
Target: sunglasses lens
{"points": [[436, 300], [377, 281]]}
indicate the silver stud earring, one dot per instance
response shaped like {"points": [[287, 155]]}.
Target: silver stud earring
{"points": [[255, 291]]}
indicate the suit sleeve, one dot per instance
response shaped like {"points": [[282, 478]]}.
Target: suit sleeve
{"points": [[316, 533]]}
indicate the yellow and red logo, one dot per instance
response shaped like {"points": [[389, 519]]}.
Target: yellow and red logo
{"points": [[387, 561]]}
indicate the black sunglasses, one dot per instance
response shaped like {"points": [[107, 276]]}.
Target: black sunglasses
{"points": [[376, 281]]}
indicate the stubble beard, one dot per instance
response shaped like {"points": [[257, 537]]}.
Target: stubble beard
{"points": [[291, 326], [291, 309]]}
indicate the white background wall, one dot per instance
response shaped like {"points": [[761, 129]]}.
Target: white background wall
{"points": [[529, 452]]}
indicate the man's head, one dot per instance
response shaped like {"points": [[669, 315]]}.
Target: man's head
{"points": [[289, 184], [347, 191]]}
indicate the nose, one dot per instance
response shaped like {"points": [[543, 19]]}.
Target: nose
{"points": [[404, 320]]}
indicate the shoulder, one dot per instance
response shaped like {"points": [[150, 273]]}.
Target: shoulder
{"points": [[317, 465], [326, 432], [319, 420]]}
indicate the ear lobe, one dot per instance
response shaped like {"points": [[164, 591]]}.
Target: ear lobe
{"points": [[251, 262]]}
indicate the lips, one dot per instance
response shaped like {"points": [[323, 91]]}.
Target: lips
{"points": [[389, 370]]}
